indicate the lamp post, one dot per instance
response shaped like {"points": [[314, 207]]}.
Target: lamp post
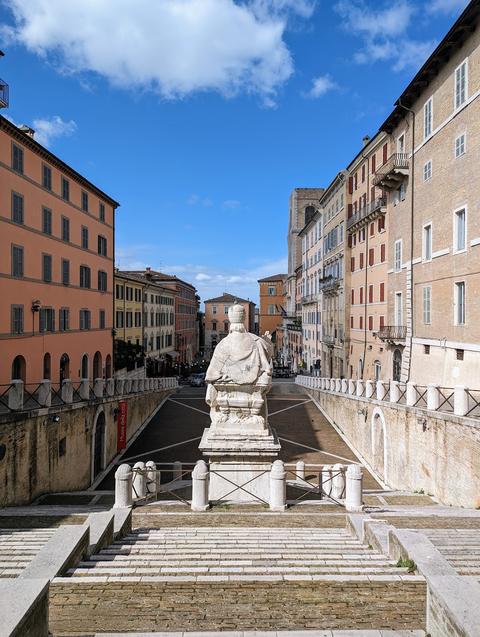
{"points": [[35, 308]]}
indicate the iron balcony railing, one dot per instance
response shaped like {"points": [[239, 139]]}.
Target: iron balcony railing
{"points": [[328, 339], [311, 298], [329, 284], [392, 332], [370, 210], [3, 94], [392, 172]]}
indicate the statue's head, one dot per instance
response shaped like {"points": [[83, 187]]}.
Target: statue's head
{"points": [[236, 316]]}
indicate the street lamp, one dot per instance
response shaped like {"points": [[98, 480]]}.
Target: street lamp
{"points": [[35, 308]]}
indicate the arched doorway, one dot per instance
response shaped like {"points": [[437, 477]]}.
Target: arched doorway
{"points": [[397, 364], [47, 366], [379, 444], [19, 368], [84, 367], [99, 444], [64, 367], [108, 366], [97, 365]]}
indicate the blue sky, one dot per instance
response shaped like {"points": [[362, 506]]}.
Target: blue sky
{"points": [[201, 116]]}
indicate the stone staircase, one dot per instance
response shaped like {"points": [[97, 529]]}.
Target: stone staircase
{"points": [[460, 547], [18, 547]]}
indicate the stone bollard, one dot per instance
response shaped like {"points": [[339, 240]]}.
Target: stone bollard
{"points": [[110, 386], [354, 489], [410, 395], [351, 386], [344, 386], [381, 389], [67, 391], [123, 486], [359, 388], [98, 387], [326, 479], [15, 395], [134, 385], [338, 482], [139, 482], [200, 486], [151, 477], [300, 471], [84, 389], [278, 487], [45, 393], [460, 400], [127, 386], [177, 470], [433, 397], [141, 384], [394, 391], [338, 385], [369, 388], [119, 386]]}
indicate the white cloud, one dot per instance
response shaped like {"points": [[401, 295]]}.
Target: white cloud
{"points": [[201, 276], [321, 85], [49, 129], [196, 200], [390, 21], [171, 47], [231, 203], [446, 6]]}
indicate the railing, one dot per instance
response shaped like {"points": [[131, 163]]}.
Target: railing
{"points": [[328, 339], [459, 400], [18, 396], [150, 481], [311, 298], [3, 94], [396, 162], [329, 284], [370, 209], [392, 333]]}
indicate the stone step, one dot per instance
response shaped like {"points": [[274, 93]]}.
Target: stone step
{"points": [[243, 561]]}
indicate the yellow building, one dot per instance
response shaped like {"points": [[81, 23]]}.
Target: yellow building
{"points": [[129, 320]]}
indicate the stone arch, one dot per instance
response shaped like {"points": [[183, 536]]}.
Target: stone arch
{"points": [[108, 366], [99, 446], [47, 366], [97, 366], [379, 444], [19, 368], [64, 367], [84, 367]]}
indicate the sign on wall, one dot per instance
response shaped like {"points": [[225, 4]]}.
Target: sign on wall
{"points": [[122, 425]]}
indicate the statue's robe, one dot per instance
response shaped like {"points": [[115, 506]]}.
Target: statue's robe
{"points": [[241, 358]]}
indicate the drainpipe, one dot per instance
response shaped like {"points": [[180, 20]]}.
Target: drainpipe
{"points": [[412, 202]]}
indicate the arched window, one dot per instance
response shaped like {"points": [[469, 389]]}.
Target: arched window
{"points": [[309, 212], [97, 365], [19, 368], [108, 366], [64, 367], [84, 370], [377, 366], [397, 364], [47, 366]]}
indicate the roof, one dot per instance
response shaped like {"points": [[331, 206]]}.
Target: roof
{"points": [[367, 148], [31, 143], [454, 39], [155, 275], [228, 298], [138, 277], [273, 277]]}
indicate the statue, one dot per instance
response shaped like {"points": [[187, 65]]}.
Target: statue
{"points": [[239, 376]]}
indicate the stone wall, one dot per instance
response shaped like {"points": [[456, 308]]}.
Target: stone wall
{"points": [[410, 448], [43, 456]]}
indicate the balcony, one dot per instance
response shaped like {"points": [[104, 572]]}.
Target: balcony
{"points": [[372, 210], [329, 285], [310, 298], [3, 94], [392, 173], [328, 339], [392, 333]]}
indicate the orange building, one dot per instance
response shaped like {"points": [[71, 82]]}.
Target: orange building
{"points": [[56, 266], [216, 319], [272, 303]]}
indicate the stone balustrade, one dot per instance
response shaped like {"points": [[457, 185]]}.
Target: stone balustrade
{"points": [[459, 400], [21, 397]]}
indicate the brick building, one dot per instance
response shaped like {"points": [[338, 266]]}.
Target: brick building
{"points": [[272, 303], [216, 319]]}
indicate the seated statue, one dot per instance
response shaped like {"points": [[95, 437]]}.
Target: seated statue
{"points": [[239, 375]]}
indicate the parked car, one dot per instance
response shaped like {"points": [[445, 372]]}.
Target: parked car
{"points": [[197, 380]]}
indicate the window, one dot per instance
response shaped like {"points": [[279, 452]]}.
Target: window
{"points": [[46, 221], [371, 256], [398, 309], [214, 326], [360, 322], [401, 143], [118, 319], [426, 349], [361, 295], [17, 158], [459, 306], [271, 290], [138, 319], [47, 319], [102, 281], [47, 267], [101, 211], [17, 319], [370, 293], [382, 253], [353, 297], [460, 353], [17, 207], [397, 263], [85, 319], [65, 272], [460, 146], [102, 245], [459, 235], [46, 177], [225, 326], [17, 261], [119, 291], [427, 242], [427, 170], [64, 319], [382, 292], [65, 228], [361, 260], [401, 192], [427, 303], [128, 319], [381, 223], [461, 84], [65, 189], [84, 276], [427, 118], [84, 201], [370, 323], [271, 309]]}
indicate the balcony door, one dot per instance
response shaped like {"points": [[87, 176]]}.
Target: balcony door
{"points": [[398, 309], [401, 143]]}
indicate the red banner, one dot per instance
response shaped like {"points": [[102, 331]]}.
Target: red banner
{"points": [[122, 425]]}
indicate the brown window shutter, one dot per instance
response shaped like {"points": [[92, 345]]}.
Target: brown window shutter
{"points": [[350, 185], [385, 152], [350, 210]]}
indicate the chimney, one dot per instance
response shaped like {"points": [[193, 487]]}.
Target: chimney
{"points": [[365, 140], [27, 130]]}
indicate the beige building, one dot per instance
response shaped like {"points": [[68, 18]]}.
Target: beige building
{"points": [[159, 326], [216, 319], [367, 242], [432, 182], [334, 206]]}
